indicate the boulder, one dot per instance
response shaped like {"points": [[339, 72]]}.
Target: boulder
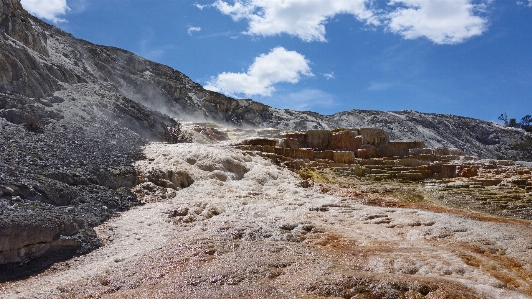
{"points": [[23, 237], [167, 179], [289, 143], [117, 177]]}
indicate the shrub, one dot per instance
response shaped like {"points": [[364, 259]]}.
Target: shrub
{"points": [[176, 134], [525, 123]]}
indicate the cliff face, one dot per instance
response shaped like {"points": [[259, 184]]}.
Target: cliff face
{"points": [[67, 142], [17, 24]]}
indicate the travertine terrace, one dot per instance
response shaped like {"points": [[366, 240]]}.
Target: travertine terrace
{"points": [[500, 187], [223, 223]]}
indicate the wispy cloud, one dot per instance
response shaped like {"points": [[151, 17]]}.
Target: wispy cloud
{"points": [[146, 48], [525, 4], [305, 19], [46, 9], [77, 6], [193, 29], [329, 76], [441, 21], [231, 35], [267, 70], [201, 6]]}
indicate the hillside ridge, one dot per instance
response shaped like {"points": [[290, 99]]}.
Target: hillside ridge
{"points": [[42, 59]]}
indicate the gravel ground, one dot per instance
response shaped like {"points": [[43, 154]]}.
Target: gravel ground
{"points": [[69, 158]]}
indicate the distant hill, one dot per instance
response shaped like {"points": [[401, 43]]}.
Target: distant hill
{"points": [[40, 60]]}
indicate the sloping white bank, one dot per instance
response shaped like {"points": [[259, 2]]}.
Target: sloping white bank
{"points": [[222, 224]]}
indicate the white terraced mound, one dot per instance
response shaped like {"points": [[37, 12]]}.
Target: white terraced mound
{"points": [[236, 226]]}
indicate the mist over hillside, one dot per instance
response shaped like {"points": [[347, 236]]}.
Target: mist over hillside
{"points": [[40, 60]]}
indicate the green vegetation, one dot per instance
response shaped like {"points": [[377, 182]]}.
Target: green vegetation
{"points": [[525, 123]]}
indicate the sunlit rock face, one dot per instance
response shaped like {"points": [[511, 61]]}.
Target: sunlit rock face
{"points": [[340, 146], [18, 25]]}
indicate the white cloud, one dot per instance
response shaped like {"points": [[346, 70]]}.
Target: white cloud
{"points": [[201, 7], [46, 9], [305, 19], [524, 4], [329, 76], [441, 21], [267, 70], [193, 29]]}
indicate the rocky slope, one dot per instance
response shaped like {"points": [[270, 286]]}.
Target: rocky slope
{"points": [[67, 146], [75, 115], [66, 166], [38, 60]]}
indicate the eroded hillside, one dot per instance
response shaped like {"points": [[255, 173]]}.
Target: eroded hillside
{"points": [[39, 60]]}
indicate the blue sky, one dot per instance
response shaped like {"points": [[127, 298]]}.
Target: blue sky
{"points": [[464, 57]]}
